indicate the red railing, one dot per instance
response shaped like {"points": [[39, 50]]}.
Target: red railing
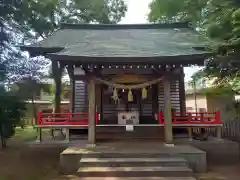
{"points": [[192, 118], [79, 118]]}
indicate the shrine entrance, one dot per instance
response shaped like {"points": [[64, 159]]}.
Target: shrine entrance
{"points": [[142, 109]]}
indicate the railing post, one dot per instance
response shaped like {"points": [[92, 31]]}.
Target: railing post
{"points": [[97, 119], [189, 116], [68, 117], [39, 120], [160, 117], [173, 117], [217, 117], [219, 128], [201, 117], [39, 130], [39, 136]]}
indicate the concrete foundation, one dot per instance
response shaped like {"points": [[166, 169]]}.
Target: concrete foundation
{"points": [[222, 152], [70, 158]]}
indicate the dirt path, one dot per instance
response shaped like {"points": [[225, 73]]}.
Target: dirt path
{"points": [[20, 161], [231, 172]]}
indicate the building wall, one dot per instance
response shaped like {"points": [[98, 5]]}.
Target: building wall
{"points": [[224, 104], [43, 103], [49, 97], [212, 104], [201, 102], [110, 109], [41, 107], [199, 84]]}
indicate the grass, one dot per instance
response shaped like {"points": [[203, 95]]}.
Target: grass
{"points": [[19, 161]]}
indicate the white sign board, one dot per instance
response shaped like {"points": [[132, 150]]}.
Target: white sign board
{"points": [[129, 127], [125, 117]]}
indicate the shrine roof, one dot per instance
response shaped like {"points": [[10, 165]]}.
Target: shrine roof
{"points": [[134, 40]]}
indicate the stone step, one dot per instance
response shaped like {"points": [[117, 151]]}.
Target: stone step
{"points": [[133, 162], [128, 155], [137, 178], [134, 172]]}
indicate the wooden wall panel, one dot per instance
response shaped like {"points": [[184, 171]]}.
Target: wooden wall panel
{"points": [[81, 97], [175, 95], [110, 109]]}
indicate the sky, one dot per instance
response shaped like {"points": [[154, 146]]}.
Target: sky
{"points": [[137, 14]]}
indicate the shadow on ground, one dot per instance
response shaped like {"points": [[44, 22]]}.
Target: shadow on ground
{"points": [[19, 161]]}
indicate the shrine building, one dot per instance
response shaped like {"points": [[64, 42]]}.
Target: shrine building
{"points": [[128, 76]]}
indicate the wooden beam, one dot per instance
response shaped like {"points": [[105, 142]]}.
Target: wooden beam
{"points": [[167, 113], [91, 112]]}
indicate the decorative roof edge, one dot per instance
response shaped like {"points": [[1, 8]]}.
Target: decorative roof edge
{"points": [[125, 26]]}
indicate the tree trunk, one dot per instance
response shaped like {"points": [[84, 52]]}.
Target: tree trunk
{"points": [[3, 139], [57, 70], [34, 111], [57, 97]]}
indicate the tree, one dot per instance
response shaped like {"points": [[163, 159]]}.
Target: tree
{"points": [[18, 65], [64, 92], [218, 20], [11, 111], [29, 88], [36, 19], [44, 16]]}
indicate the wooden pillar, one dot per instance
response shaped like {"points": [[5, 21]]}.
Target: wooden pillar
{"points": [[101, 107], [182, 93], [73, 96], [154, 100], [70, 70], [70, 90], [91, 112], [167, 113], [159, 89], [98, 91]]}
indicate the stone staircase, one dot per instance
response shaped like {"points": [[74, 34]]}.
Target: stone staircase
{"points": [[133, 166], [140, 132]]}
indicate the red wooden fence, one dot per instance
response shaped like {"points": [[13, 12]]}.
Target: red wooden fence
{"points": [[79, 118], [192, 118]]}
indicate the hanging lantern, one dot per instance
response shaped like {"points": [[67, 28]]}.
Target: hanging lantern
{"points": [[115, 94], [130, 95], [144, 93]]}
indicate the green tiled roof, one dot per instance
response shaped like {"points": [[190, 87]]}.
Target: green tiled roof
{"points": [[146, 40]]}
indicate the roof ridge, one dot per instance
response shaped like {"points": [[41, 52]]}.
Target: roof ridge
{"points": [[125, 26]]}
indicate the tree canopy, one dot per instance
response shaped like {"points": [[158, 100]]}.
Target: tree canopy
{"points": [[218, 20], [26, 21], [42, 17]]}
